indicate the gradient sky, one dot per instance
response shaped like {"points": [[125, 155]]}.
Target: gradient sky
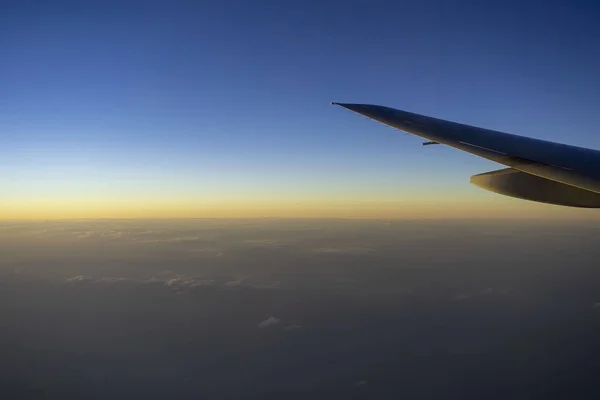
{"points": [[222, 108]]}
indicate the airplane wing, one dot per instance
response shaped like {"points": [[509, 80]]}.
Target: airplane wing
{"points": [[539, 170]]}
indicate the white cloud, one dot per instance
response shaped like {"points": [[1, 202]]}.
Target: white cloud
{"points": [[112, 234], [177, 282], [78, 278], [236, 283], [187, 282], [108, 279], [269, 322]]}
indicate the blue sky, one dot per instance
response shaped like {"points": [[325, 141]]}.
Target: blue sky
{"points": [[230, 100]]}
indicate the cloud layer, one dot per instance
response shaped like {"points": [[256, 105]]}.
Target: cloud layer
{"points": [[120, 309]]}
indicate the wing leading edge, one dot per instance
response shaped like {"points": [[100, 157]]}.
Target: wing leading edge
{"points": [[570, 165]]}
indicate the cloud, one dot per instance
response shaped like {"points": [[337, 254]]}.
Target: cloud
{"points": [[110, 234], [208, 251], [292, 328], [274, 322], [78, 278], [90, 279], [177, 282], [187, 282], [155, 280], [112, 280], [113, 234], [261, 241], [182, 239], [202, 282], [242, 282], [84, 235], [360, 383], [236, 283], [269, 322], [265, 243], [597, 304], [352, 250], [171, 240]]}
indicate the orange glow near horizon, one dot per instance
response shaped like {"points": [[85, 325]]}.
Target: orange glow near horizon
{"points": [[443, 208]]}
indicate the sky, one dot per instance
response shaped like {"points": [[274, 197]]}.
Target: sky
{"points": [[144, 146], [222, 109]]}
